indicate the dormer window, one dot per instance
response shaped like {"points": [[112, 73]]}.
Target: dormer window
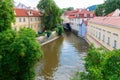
{"points": [[30, 13], [76, 15]]}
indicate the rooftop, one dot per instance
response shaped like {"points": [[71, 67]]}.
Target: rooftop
{"points": [[25, 12], [79, 13], [107, 21]]}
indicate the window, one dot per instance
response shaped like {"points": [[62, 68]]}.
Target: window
{"points": [[103, 38], [115, 44], [96, 34], [99, 35], [20, 20], [35, 19], [108, 41], [31, 19], [23, 19], [115, 39], [91, 15]]}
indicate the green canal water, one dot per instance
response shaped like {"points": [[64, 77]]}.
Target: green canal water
{"points": [[62, 58]]}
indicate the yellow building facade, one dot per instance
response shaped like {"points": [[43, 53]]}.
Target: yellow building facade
{"points": [[28, 19], [105, 32]]}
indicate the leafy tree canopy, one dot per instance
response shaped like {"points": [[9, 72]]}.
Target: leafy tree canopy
{"points": [[6, 14], [19, 53], [51, 14], [107, 7], [100, 10], [111, 5], [67, 9]]}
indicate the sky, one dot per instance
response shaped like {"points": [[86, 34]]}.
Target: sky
{"points": [[64, 3]]}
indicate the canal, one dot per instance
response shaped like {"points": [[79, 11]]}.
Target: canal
{"points": [[62, 58]]}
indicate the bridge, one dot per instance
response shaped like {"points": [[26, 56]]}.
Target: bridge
{"points": [[66, 26]]}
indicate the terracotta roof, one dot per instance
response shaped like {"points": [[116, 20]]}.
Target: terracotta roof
{"points": [[84, 11], [71, 17], [79, 13], [107, 21], [24, 13]]}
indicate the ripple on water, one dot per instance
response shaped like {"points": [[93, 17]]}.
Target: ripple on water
{"points": [[67, 61]]}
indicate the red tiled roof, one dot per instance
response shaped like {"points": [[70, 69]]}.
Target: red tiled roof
{"points": [[71, 17], [84, 11], [107, 21], [67, 13], [80, 13], [24, 13]]}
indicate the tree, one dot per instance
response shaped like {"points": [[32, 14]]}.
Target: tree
{"points": [[19, 51], [70, 8], [101, 65], [67, 9], [111, 5], [18, 54], [51, 14], [64, 10], [107, 7], [6, 14], [99, 11]]}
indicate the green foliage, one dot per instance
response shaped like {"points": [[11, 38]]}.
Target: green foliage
{"points": [[18, 54], [111, 5], [51, 14], [70, 8], [112, 66], [48, 33], [59, 30], [99, 11], [40, 34], [101, 65], [67, 9], [107, 7], [6, 14]]}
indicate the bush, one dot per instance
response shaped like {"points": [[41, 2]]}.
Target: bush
{"points": [[101, 65], [59, 30], [40, 34], [48, 34], [111, 68], [18, 60]]}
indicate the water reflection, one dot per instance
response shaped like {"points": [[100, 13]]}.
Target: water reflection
{"points": [[79, 43], [51, 58], [62, 58]]}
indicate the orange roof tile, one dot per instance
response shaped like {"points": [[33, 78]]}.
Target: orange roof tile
{"points": [[79, 13], [107, 21], [24, 13]]}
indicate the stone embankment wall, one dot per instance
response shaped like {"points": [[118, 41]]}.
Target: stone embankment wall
{"points": [[44, 39]]}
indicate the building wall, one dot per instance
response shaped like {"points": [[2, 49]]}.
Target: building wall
{"points": [[101, 35], [27, 22], [82, 30]]}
